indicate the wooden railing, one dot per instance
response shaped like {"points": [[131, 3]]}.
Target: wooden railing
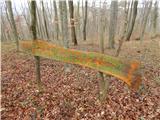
{"points": [[126, 71]]}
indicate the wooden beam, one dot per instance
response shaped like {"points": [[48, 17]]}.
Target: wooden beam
{"points": [[126, 71]]}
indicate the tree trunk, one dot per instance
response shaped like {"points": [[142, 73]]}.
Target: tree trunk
{"points": [[155, 18], [103, 84], [64, 23], [85, 21], [8, 35], [61, 20], [132, 21], [73, 32], [3, 27], [94, 22], [130, 11], [124, 29], [34, 34], [113, 23], [78, 20], [13, 24], [149, 6], [56, 20], [64, 28]]}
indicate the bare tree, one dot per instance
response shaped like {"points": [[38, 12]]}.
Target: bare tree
{"points": [[64, 27], [146, 14], [113, 22], [12, 21], [64, 22], [155, 17], [85, 20], [8, 31], [102, 83], [34, 34], [78, 19], [3, 28], [132, 20], [130, 11], [94, 25], [124, 29], [73, 32], [56, 20]]}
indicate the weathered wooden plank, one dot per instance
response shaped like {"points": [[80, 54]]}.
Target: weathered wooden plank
{"points": [[124, 70]]}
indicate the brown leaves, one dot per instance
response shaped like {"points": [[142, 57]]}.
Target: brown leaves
{"points": [[72, 95]]}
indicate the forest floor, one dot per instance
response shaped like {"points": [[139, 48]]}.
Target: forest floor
{"points": [[74, 95]]}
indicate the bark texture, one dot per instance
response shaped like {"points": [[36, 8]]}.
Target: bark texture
{"points": [[12, 22], [103, 83], [132, 21], [113, 23], [146, 15], [85, 20], [34, 34], [73, 32], [56, 20]]}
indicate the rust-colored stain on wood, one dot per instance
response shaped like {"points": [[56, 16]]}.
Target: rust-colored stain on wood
{"points": [[126, 71]]}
